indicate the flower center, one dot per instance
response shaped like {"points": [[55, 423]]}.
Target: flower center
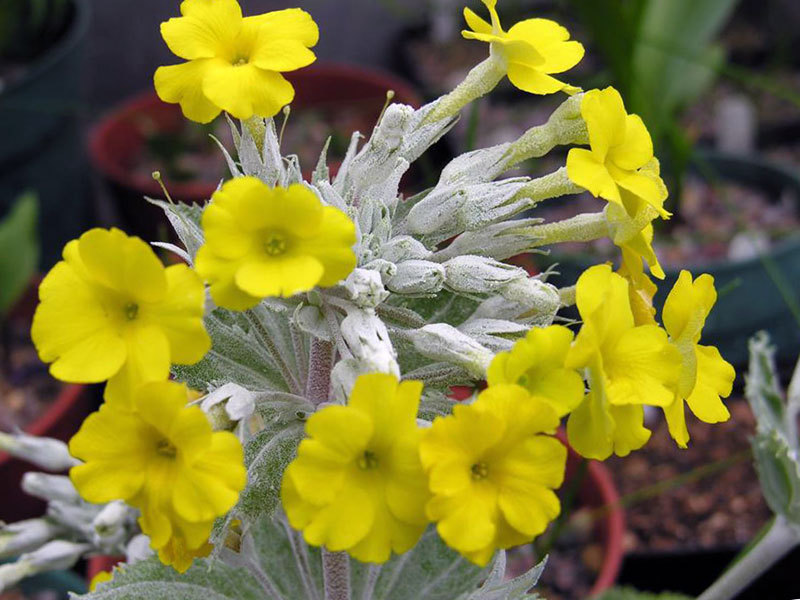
{"points": [[368, 460], [131, 311], [275, 244], [479, 471], [240, 61], [166, 449]]}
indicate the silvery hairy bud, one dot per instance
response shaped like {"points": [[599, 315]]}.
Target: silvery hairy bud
{"points": [[496, 334], [386, 269], [49, 487], [236, 402], [498, 241], [417, 277], [449, 210], [54, 556], [445, 343], [478, 166], [365, 288], [479, 275], [111, 519], [528, 300], [404, 247], [46, 453], [368, 340], [25, 536], [138, 549]]}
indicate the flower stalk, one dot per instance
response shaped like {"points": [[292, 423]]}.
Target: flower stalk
{"points": [[481, 80], [336, 575], [781, 537], [585, 227]]}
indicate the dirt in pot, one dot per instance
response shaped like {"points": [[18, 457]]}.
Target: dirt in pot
{"points": [[706, 496], [26, 388]]}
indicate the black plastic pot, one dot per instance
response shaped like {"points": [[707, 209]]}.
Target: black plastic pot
{"points": [[751, 300], [692, 572], [41, 145]]}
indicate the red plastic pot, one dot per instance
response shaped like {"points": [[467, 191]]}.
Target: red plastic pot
{"points": [[119, 138], [62, 419]]}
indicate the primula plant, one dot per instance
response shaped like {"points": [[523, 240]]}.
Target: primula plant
{"points": [[277, 420]]}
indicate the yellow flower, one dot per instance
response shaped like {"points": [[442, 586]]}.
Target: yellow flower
{"points": [[492, 471], [101, 577], [705, 376], [110, 310], [532, 49], [357, 483], [628, 366], [641, 289], [537, 364], [618, 166], [162, 457], [234, 63], [263, 241]]}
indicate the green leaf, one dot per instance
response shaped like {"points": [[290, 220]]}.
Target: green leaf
{"points": [[764, 393], [632, 594], [779, 474], [19, 250], [206, 580]]}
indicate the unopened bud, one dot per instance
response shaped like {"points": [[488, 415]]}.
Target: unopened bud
{"points": [[496, 334], [111, 519], [138, 549], [49, 487], [365, 288], [479, 275], [237, 402], [25, 536], [417, 277], [46, 453], [528, 300], [442, 342], [54, 556], [404, 247]]}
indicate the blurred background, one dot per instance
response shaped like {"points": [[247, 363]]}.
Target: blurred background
{"points": [[716, 81]]}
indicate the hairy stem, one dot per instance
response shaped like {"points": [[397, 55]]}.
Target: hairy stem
{"points": [[481, 80], [779, 539], [553, 185], [336, 575], [318, 385], [258, 131], [585, 227]]}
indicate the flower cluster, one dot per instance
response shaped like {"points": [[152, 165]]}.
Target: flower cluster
{"points": [[326, 321]]}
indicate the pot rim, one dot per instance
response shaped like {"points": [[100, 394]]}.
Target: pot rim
{"points": [[191, 191]]}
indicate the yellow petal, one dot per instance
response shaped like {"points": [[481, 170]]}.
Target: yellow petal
{"points": [[629, 431], [180, 316], [183, 84], [148, 360], [641, 186], [586, 170], [529, 510], [221, 274], [205, 30], [281, 55], [343, 523], [475, 22], [533, 81], [676, 422], [283, 276], [590, 428], [246, 90], [715, 378], [290, 23], [604, 114], [464, 523], [332, 246], [636, 149], [688, 304]]}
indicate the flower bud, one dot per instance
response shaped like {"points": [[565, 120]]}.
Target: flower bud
{"points": [[111, 519], [54, 556], [442, 342], [528, 300], [138, 549], [404, 247], [238, 403], [45, 453], [365, 288], [417, 278], [368, 341], [479, 275], [25, 536], [386, 269], [49, 487], [496, 334]]}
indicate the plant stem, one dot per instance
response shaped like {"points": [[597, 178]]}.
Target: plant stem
{"points": [[318, 385], [258, 131], [481, 80], [779, 539], [585, 227], [336, 575]]}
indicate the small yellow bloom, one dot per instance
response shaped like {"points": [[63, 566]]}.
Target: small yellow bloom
{"points": [[357, 483], [641, 289], [234, 62], [162, 457], [492, 472], [532, 49], [537, 364], [101, 577], [628, 366], [705, 376], [263, 241], [616, 167], [110, 310]]}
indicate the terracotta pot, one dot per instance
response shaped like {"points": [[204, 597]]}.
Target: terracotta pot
{"points": [[62, 419], [119, 138]]}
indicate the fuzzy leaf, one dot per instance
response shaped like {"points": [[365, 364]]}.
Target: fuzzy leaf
{"points": [[496, 588], [632, 594], [206, 580], [185, 220]]}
